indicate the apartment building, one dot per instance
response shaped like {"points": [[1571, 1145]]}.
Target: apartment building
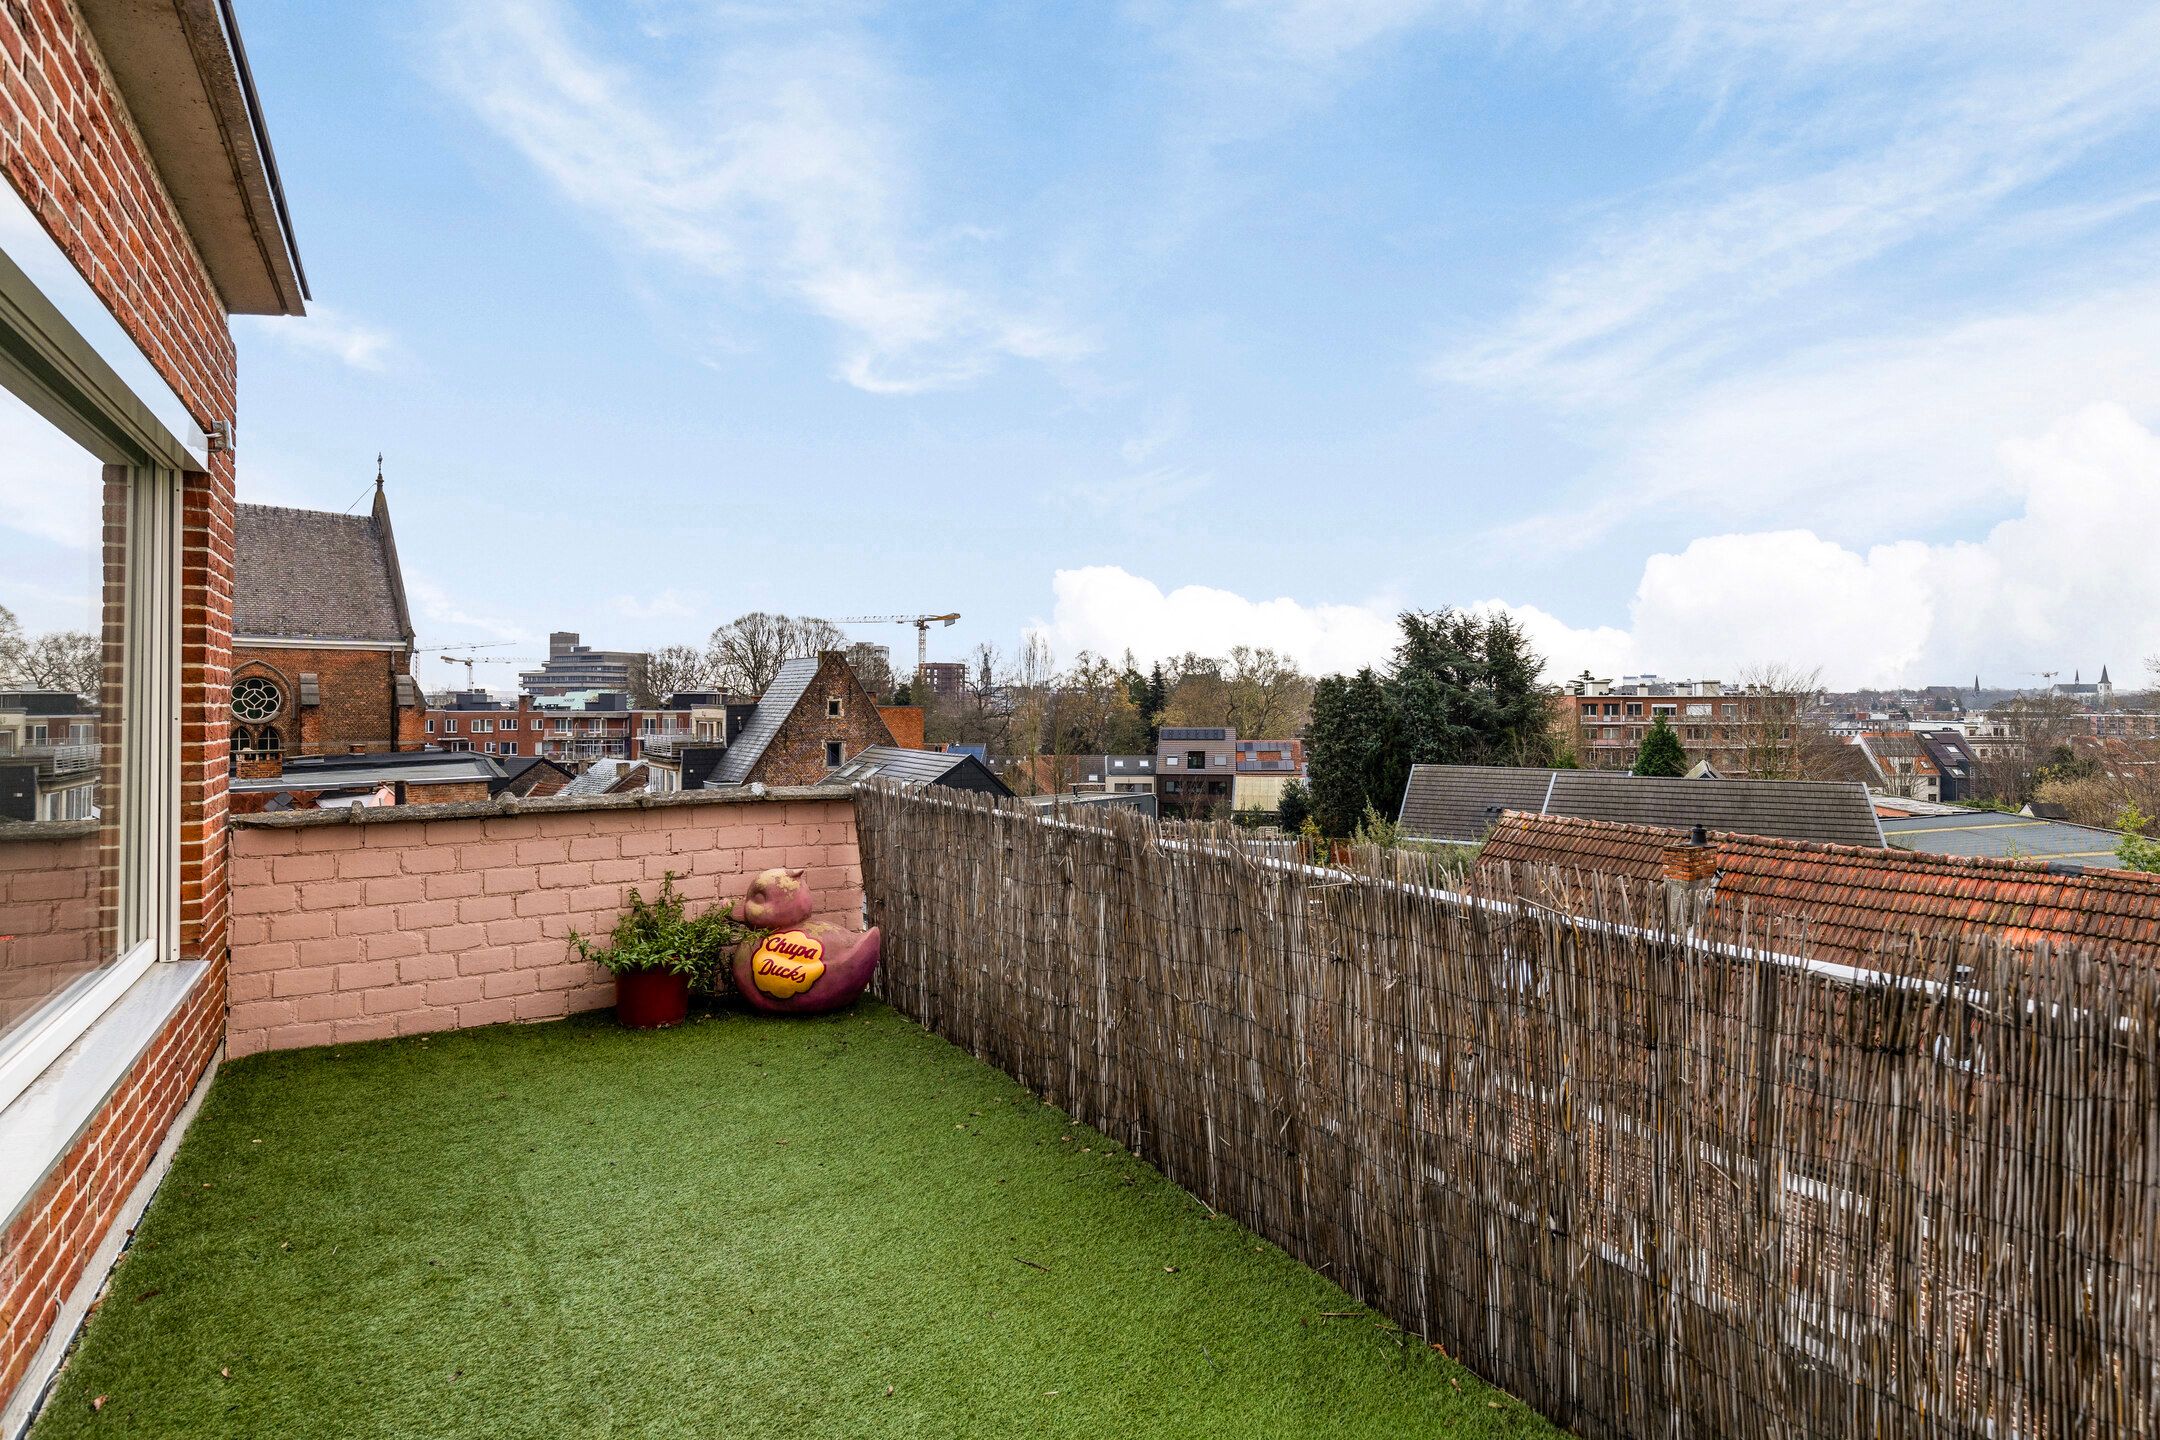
{"points": [[1195, 771], [1720, 724]]}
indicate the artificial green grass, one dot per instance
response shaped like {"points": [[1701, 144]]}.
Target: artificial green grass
{"points": [[744, 1227]]}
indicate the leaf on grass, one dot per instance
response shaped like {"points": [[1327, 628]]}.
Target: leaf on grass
{"points": [[225, 1372], [99, 1402], [888, 1392], [1169, 1269]]}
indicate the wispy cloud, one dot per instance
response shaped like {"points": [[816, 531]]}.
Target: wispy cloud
{"points": [[438, 609], [330, 332], [1686, 274], [669, 604], [1142, 494], [786, 173]]}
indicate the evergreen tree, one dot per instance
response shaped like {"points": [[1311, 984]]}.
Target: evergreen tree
{"points": [[1296, 805], [1153, 701], [1353, 753], [1660, 752]]}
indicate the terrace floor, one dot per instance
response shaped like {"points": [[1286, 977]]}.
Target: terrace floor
{"points": [[743, 1227]]}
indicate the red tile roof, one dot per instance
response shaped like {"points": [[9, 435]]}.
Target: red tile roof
{"points": [[1857, 904]]}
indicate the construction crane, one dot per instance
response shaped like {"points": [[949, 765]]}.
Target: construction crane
{"points": [[922, 624], [449, 653]]}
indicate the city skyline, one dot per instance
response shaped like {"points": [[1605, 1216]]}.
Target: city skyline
{"points": [[1699, 337]]}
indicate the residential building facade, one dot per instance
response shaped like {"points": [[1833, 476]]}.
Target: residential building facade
{"points": [[812, 719], [1731, 727], [1195, 771]]}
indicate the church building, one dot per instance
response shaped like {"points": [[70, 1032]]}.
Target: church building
{"points": [[322, 639]]}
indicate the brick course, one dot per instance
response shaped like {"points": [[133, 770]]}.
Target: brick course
{"points": [[358, 930]]}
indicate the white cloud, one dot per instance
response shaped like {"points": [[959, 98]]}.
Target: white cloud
{"points": [[437, 607], [1107, 610], [1145, 494], [669, 604], [1894, 434], [328, 331], [2068, 583], [792, 177]]}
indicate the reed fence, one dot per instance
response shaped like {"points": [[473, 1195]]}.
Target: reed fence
{"points": [[1655, 1182]]}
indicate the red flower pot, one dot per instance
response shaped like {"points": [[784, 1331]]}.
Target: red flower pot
{"points": [[651, 999]]}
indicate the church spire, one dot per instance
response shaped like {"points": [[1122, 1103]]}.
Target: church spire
{"points": [[378, 472], [2104, 678]]}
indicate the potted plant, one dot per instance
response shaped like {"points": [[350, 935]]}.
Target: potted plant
{"points": [[657, 951]]}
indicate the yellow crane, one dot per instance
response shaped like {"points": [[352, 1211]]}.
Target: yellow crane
{"points": [[922, 624]]}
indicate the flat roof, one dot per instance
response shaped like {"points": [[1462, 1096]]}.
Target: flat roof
{"points": [[2005, 837]]}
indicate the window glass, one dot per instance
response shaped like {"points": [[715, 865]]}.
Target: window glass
{"points": [[63, 606]]}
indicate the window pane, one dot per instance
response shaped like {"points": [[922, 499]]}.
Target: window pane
{"points": [[63, 539]]}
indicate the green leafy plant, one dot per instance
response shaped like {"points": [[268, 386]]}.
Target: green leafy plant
{"points": [[2138, 850], [1660, 752], [660, 934], [1376, 829]]}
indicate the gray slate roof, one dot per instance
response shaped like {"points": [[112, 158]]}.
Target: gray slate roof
{"points": [[1984, 832], [602, 776], [314, 575], [1826, 811], [1458, 803], [773, 708], [914, 768]]}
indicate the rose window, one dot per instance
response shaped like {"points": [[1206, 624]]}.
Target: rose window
{"points": [[255, 699]]}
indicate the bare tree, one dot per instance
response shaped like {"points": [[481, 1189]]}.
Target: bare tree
{"points": [[672, 669], [1268, 697], [70, 660], [980, 713], [872, 665], [1777, 732], [744, 654]]}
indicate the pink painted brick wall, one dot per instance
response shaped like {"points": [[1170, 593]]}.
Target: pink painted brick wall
{"points": [[357, 931]]}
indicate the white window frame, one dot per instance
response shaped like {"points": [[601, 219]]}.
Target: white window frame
{"points": [[149, 898]]}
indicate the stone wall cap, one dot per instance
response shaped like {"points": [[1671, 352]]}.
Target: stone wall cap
{"points": [[549, 805]]}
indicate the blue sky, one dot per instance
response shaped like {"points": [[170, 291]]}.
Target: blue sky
{"points": [[1702, 334]]}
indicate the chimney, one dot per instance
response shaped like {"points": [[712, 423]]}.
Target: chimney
{"points": [[1690, 873]]}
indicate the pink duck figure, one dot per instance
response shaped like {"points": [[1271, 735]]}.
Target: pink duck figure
{"points": [[798, 967]]}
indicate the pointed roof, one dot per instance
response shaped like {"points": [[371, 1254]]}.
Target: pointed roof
{"points": [[773, 708], [318, 575], [2104, 676]]}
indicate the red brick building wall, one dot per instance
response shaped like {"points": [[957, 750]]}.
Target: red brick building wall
{"points": [[69, 149], [798, 754], [356, 694], [906, 724], [49, 911]]}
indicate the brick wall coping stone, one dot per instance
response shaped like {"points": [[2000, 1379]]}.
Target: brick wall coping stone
{"points": [[61, 829], [549, 805]]}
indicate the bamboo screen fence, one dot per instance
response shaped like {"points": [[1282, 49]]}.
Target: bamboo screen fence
{"points": [[1654, 1185]]}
